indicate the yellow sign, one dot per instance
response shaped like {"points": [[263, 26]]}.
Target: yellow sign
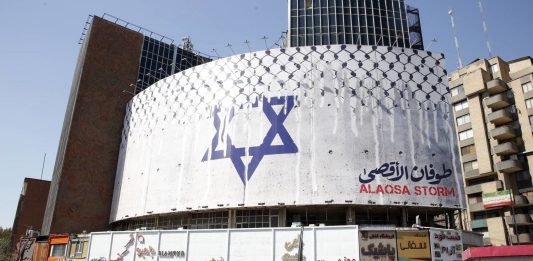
{"points": [[413, 245]]}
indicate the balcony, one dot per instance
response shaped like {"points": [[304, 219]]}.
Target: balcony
{"points": [[524, 238], [496, 86], [520, 200], [503, 132], [521, 220], [500, 117], [479, 223], [509, 166], [471, 174], [498, 101], [506, 148], [489, 187]]}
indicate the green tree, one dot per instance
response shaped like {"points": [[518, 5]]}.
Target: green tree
{"points": [[5, 240]]}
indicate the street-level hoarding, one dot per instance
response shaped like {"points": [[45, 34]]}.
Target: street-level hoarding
{"points": [[446, 244], [413, 245], [336, 243], [25, 248], [497, 199], [300, 126], [283, 244]]}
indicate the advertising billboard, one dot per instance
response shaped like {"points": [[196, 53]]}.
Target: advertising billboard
{"points": [[298, 126], [413, 245], [446, 245]]}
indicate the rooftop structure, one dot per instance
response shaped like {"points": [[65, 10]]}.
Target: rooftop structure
{"points": [[361, 22]]}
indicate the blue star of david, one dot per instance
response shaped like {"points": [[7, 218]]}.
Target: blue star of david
{"points": [[265, 148]]}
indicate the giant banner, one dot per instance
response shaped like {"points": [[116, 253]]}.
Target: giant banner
{"points": [[298, 126]]}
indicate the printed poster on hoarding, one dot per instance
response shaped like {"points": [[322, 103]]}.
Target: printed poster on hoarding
{"points": [[172, 245], [252, 244], [337, 244], [287, 244], [208, 245], [377, 245], [134, 245], [413, 245], [446, 245]]}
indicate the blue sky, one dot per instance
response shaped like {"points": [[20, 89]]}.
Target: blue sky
{"points": [[39, 49]]}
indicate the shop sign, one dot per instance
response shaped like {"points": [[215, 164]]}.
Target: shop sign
{"points": [[447, 245], [413, 245], [377, 245]]}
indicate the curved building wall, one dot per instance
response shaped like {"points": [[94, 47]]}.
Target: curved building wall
{"points": [[340, 124]]}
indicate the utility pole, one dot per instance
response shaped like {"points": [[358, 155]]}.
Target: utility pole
{"points": [[42, 169]]}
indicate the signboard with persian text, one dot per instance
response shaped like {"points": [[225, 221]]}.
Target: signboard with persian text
{"points": [[413, 245], [446, 245], [377, 245]]}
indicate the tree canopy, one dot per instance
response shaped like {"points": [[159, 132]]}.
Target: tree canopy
{"points": [[5, 246]]}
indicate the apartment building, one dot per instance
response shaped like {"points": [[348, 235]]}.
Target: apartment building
{"points": [[493, 109]]}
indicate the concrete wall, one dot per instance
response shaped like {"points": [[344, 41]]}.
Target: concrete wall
{"points": [[476, 110], [497, 231]]}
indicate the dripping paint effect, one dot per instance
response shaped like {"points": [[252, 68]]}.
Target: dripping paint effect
{"points": [[421, 125], [376, 139], [392, 122], [362, 107], [353, 120], [426, 129], [435, 125], [182, 164], [452, 145], [411, 138], [313, 146], [298, 155]]}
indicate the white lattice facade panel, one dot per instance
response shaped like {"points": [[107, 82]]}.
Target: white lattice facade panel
{"points": [[297, 126]]}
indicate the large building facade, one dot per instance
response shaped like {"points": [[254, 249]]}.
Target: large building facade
{"points": [[116, 61], [359, 22], [493, 109], [327, 134]]}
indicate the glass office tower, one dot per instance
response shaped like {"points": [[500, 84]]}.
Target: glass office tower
{"points": [[363, 22]]}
